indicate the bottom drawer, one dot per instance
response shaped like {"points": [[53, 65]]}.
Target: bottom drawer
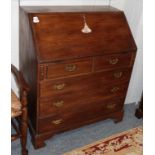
{"points": [[57, 123]]}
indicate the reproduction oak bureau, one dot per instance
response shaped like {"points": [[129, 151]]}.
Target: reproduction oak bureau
{"points": [[78, 68]]}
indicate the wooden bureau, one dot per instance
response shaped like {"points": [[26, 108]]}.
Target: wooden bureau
{"points": [[78, 65]]}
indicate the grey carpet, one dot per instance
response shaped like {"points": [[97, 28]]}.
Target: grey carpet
{"points": [[69, 140]]}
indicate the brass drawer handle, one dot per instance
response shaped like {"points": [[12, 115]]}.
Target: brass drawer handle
{"points": [[115, 89], [70, 68], [118, 74], [57, 122], [111, 106], [58, 103], [113, 61], [59, 86]]}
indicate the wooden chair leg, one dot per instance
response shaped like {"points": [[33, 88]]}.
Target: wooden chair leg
{"points": [[24, 137], [24, 126], [18, 133]]}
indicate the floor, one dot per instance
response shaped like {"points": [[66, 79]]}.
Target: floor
{"points": [[67, 141]]}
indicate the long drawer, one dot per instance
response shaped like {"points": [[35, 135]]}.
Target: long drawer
{"points": [[80, 100], [86, 82], [58, 122]]}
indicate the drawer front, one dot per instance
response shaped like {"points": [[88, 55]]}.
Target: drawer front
{"points": [[114, 61], [68, 68], [83, 83], [79, 100], [69, 119]]}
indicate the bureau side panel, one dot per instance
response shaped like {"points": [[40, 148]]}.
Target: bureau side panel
{"points": [[28, 65]]}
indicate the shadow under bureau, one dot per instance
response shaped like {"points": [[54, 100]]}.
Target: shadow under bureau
{"points": [[78, 62]]}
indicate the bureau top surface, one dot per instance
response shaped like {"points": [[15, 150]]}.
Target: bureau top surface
{"points": [[41, 9], [69, 35]]}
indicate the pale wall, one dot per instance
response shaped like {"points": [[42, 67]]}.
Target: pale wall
{"points": [[14, 37], [134, 12]]}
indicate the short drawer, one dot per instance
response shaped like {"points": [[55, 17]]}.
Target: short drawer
{"points": [[113, 61], [68, 119], [68, 68], [83, 83]]}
